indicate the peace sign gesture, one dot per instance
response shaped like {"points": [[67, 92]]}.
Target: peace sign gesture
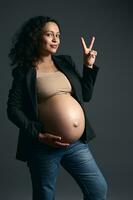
{"points": [[89, 54]]}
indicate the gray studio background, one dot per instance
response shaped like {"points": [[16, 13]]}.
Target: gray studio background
{"points": [[110, 109]]}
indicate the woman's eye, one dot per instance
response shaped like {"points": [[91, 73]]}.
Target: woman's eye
{"points": [[50, 34]]}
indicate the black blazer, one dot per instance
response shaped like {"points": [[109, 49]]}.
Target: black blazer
{"points": [[22, 101]]}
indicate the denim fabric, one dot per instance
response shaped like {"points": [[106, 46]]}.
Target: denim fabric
{"points": [[77, 160]]}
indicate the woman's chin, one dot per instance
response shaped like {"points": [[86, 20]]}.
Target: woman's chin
{"points": [[53, 50]]}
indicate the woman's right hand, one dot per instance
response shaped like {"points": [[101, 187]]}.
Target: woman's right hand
{"points": [[52, 140]]}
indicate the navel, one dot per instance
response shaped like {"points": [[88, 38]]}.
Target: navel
{"points": [[75, 124]]}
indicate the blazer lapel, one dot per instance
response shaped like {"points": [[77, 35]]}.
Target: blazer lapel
{"points": [[31, 86], [68, 70]]}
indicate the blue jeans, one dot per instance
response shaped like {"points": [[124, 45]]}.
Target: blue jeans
{"points": [[77, 160]]}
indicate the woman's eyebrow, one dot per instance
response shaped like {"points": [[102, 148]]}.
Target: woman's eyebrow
{"points": [[51, 31]]}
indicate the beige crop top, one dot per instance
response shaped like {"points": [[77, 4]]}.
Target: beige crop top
{"points": [[49, 84]]}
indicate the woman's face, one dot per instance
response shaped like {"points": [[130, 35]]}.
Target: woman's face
{"points": [[51, 37]]}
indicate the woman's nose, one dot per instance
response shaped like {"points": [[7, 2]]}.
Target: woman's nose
{"points": [[54, 39]]}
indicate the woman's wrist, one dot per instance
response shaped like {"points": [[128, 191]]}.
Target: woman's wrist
{"points": [[40, 136]]}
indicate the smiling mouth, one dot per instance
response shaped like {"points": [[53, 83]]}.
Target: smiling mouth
{"points": [[54, 46]]}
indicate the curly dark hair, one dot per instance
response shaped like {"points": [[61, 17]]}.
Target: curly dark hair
{"points": [[27, 42]]}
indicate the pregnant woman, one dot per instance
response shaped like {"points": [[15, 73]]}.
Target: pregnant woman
{"points": [[46, 103]]}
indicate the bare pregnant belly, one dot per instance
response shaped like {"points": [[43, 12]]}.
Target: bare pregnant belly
{"points": [[62, 115]]}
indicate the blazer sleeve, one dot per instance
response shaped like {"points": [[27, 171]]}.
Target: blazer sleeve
{"points": [[15, 106], [87, 79]]}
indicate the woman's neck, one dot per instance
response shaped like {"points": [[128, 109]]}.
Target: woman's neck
{"points": [[45, 59]]}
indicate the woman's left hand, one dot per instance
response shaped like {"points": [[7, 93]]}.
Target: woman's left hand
{"points": [[89, 54]]}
